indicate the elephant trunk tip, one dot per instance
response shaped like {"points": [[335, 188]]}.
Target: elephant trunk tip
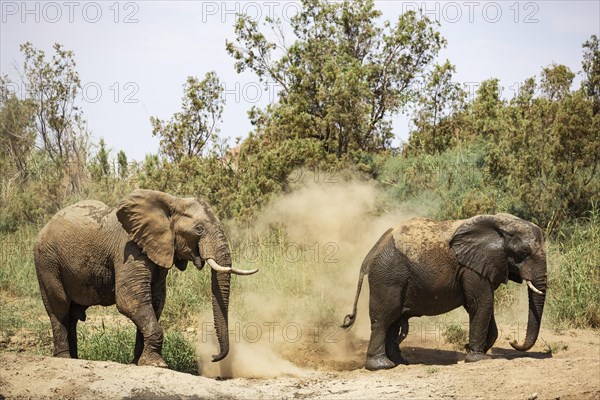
{"points": [[349, 321], [220, 356], [522, 347]]}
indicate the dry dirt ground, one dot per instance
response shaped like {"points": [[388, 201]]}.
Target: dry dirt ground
{"points": [[570, 370]]}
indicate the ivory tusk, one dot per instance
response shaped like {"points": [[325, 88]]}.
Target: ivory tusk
{"points": [[533, 288], [243, 272], [213, 264]]}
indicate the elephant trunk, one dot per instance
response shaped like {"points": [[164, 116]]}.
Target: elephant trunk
{"points": [[220, 283], [536, 308], [216, 247]]}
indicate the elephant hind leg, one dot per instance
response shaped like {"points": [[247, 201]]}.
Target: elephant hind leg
{"points": [[57, 306], [403, 329], [385, 325], [393, 340], [76, 313]]}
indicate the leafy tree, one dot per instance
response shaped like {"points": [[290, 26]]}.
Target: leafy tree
{"points": [[436, 119], [188, 131], [107, 184], [122, 164], [541, 149], [17, 137], [99, 165], [546, 159], [485, 110], [52, 87], [155, 173], [556, 81], [342, 77], [591, 69]]}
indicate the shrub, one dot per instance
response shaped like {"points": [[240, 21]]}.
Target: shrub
{"points": [[455, 335], [574, 276]]}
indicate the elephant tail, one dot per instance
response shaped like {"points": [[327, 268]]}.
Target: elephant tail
{"points": [[364, 269], [350, 318]]}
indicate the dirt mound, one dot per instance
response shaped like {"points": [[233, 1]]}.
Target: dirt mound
{"points": [[565, 366]]}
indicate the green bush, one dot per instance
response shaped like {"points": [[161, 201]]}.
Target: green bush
{"points": [[574, 276], [445, 186], [455, 335], [179, 354]]}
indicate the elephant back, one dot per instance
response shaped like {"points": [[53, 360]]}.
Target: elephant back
{"points": [[75, 223], [424, 240], [84, 212]]}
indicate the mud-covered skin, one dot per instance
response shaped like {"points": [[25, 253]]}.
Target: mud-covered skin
{"points": [[425, 267], [89, 254]]}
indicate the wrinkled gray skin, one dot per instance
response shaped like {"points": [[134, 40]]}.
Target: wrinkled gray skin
{"points": [[424, 267], [90, 254]]}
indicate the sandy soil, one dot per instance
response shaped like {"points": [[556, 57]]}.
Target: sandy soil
{"points": [[570, 371]]}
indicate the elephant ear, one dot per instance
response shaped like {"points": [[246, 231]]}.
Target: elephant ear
{"points": [[145, 214], [478, 244]]}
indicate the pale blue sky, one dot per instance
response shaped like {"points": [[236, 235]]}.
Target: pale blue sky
{"points": [[142, 51]]}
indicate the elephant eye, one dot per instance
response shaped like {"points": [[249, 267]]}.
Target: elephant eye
{"points": [[199, 228], [520, 256]]}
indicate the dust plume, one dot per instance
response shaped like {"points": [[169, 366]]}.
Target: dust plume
{"points": [[250, 355], [286, 319]]}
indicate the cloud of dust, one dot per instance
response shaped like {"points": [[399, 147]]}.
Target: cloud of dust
{"points": [[291, 334], [250, 354], [343, 220]]}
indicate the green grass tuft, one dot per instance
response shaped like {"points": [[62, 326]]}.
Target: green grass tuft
{"points": [[455, 335], [106, 343]]}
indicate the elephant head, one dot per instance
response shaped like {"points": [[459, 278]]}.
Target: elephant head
{"points": [[172, 230], [502, 247]]}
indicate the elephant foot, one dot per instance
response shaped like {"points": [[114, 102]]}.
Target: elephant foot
{"points": [[400, 361], [152, 360], [476, 356], [63, 354], [377, 363], [397, 359]]}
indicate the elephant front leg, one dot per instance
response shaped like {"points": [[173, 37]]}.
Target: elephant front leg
{"points": [[153, 341], [479, 303], [139, 347], [150, 334], [134, 296], [159, 294], [492, 334], [477, 336]]}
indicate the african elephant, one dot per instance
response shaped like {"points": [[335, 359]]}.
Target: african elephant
{"points": [[90, 254], [425, 267]]}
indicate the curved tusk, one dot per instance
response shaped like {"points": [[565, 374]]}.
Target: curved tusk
{"points": [[533, 288], [213, 264], [243, 272]]}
